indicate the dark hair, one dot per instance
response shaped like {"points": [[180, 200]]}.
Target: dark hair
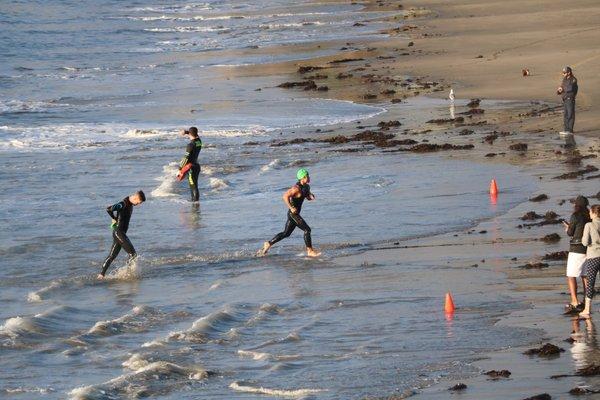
{"points": [[141, 194], [193, 131], [581, 206], [596, 209]]}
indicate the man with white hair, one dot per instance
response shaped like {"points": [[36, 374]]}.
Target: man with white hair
{"points": [[568, 91]]}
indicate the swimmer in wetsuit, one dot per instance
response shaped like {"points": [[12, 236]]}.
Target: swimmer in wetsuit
{"points": [[120, 224], [293, 199], [191, 156]]}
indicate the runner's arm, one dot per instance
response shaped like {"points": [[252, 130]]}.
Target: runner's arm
{"points": [[291, 192], [115, 207]]}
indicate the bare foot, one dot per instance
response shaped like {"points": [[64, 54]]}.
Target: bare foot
{"points": [[312, 252], [100, 277], [265, 249], [584, 315]]}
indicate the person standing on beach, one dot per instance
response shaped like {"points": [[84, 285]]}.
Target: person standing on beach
{"points": [[577, 252], [191, 157], [293, 200], [568, 91], [120, 225], [591, 239]]}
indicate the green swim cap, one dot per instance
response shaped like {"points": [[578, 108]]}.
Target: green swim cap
{"points": [[302, 173]]}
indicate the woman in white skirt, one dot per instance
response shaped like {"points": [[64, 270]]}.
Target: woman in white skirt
{"points": [[577, 252]]}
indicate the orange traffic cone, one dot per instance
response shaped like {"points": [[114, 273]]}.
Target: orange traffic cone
{"points": [[449, 304], [493, 188]]}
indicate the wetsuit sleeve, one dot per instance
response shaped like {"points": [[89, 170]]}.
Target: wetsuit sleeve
{"points": [[572, 225], [186, 157], [115, 208]]}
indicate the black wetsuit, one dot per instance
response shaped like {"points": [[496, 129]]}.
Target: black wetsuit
{"points": [[295, 220], [124, 209], [191, 156]]}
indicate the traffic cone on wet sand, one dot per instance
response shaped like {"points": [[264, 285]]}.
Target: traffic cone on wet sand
{"points": [[493, 188], [449, 304]]}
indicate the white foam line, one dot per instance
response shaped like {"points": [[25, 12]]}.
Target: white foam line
{"points": [[274, 392]]}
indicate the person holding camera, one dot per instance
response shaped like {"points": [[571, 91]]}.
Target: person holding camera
{"points": [[568, 91]]}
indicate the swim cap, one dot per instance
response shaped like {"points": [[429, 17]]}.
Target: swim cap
{"points": [[302, 173]]}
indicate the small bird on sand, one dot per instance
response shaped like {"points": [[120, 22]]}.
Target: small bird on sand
{"points": [[451, 95], [525, 72]]}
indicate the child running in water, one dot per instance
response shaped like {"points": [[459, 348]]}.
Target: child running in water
{"points": [[591, 239], [293, 199]]}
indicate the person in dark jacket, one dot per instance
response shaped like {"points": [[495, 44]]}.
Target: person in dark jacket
{"points": [[568, 91], [120, 225], [192, 151], [577, 252]]}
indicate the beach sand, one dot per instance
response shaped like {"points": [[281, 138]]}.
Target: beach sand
{"points": [[479, 49]]}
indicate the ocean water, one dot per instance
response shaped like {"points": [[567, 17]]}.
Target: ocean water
{"points": [[93, 95]]}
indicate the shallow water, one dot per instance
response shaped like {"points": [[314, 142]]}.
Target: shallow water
{"points": [[198, 314]]}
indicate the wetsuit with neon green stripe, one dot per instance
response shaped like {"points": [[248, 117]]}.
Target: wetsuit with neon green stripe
{"points": [[191, 156], [295, 220], [124, 209]]}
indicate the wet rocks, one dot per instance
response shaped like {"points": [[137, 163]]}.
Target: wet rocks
{"points": [[466, 132], [431, 147], [578, 391], [531, 216], [394, 101], [341, 75], [474, 103], [577, 174], [531, 265], [491, 138], [498, 374], [518, 147], [389, 124], [538, 198], [369, 96], [591, 370], [317, 77], [307, 68], [551, 238], [556, 256], [345, 60], [388, 92], [458, 386], [546, 350], [446, 120], [322, 89], [289, 85], [543, 396]]}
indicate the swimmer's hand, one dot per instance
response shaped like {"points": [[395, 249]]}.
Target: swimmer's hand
{"points": [[293, 210], [566, 225], [559, 90], [113, 225], [311, 197]]}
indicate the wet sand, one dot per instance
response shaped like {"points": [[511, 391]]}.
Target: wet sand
{"points": [[479, 49]]}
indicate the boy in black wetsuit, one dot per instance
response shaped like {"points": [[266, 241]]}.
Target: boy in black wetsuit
{"points": [[293, 199], [120, 224], [191, 156]]}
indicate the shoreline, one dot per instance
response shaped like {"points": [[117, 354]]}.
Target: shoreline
{"points": [[542, 307]]}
